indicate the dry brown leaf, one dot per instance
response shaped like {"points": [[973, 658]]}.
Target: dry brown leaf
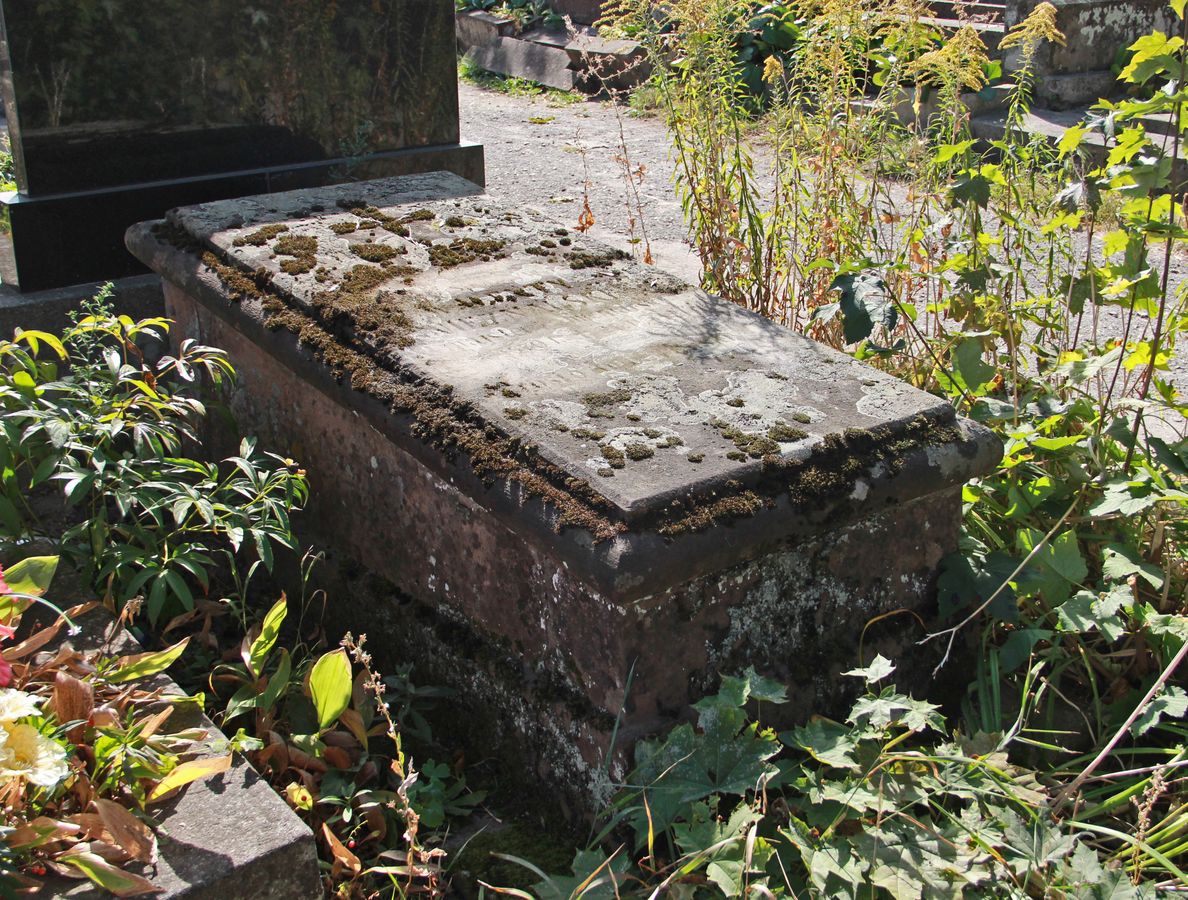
{"points": [[104, 849], [91, 824], [343, 858], [132, 835], [153, 723], [33, 642], [72, 700], [188, 772], [354, 722], [337, 757], [42, 830], [337, 738], [99, 870], [299, 759]]}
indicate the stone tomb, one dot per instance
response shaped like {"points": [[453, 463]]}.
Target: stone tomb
{"points": [[591, 488]]}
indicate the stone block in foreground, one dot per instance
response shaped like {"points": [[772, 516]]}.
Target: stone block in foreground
{"points": [[592, 487], [225, 837]]}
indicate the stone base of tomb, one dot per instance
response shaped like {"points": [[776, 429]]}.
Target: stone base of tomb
{"points": [[558, 629]]}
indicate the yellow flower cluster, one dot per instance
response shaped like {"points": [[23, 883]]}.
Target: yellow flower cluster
{"points": [[24, 751]]}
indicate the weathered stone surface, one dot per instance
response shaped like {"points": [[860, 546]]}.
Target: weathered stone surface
{"points": [[582, 12], [121, 110], [174, 89], [1095, 32], [576, 467], [476, 28], [526, 59]]}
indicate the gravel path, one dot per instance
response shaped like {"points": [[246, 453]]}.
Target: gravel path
{"points": [[550, 154]]}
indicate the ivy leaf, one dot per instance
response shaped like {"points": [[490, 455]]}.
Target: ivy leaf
{"points": [[765, 689], [1153, 54], [1076, 613], [728, 756], [1171, 703], [909, 861], [1037, 844], [971, 187], [967, 580], [967, 372], [865, 303], [880, 667], [1072, 138], [1016, 649], [1125, 498], [890, 708], [828, 742], [1055, 568], [1119, 562]]}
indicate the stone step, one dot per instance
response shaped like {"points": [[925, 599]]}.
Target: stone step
{"points": [[978, 11], [557, 58], [991, 33], [1050, 124], [987, 100]]}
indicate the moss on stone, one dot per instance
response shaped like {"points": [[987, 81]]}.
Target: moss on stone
{"points": [[376, 253], [261, 236], [296, 245], [785, 433], [463, 250], [639, 451], [477, 859], [740, 505], [585, 259], [613, 455], [297, 266]]}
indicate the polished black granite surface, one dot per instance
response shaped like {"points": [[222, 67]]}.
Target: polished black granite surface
{"points": [[121, 109], [110, 92]]}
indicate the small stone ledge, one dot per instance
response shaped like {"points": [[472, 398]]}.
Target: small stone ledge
{"points": [[226, 837]]}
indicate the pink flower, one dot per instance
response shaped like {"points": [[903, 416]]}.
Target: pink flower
{"points": [[7, 632], [4, 588], [5, 673]]}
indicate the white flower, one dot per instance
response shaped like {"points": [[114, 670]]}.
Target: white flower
{"points": [[29, 754], [16, 704]]}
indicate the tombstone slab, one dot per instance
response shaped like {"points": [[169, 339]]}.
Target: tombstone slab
{"points": [[592, 488], [550, 66]]}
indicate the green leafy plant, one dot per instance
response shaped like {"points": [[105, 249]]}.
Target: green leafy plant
{"points": [[1034, 285], [92, 414], [327, 740]]}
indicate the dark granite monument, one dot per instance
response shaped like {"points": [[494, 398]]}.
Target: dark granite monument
{"points": [[119, 110]]}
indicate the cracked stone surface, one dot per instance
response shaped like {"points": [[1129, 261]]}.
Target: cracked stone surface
{"points": [[609, 367]]}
